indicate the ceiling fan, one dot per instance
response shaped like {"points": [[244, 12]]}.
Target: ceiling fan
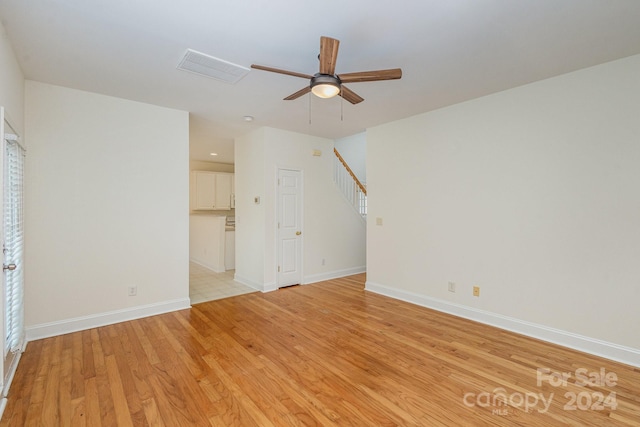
{"points": [[327, 84]]}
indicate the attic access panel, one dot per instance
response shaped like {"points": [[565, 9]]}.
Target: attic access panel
{"points": [[209, 66]]}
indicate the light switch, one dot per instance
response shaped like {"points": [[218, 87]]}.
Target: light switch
{"points": [[378, 221]]}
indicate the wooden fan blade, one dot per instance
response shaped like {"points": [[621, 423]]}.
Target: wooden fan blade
{"points": [[299, 93], [279, 71], [350, 95], [370, 76], [328, 55]]}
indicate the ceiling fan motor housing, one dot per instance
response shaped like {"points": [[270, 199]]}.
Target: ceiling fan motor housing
{"points": [[325, 85]]}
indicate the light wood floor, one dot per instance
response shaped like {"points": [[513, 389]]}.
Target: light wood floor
{"points": [[322, 354]]}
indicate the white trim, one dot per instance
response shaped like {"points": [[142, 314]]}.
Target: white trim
{"points": [[612, 351], [12, 372], [206, 265], [334, 274], [266, 287], [270, 287], [51, 329]]}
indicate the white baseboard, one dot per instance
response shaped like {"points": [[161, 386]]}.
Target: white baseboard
{"points": [[207, 265], [271, 286], [262, 287], [612, 351], [333, 274], [66, 326]]}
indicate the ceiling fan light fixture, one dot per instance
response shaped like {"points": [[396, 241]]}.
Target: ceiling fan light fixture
{"points": [[325, 86]]}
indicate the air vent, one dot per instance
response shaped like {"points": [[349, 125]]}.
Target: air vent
{"points": [[208, 66]]}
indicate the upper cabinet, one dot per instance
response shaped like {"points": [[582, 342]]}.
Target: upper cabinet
{"points": [[223, 191], [211, 191], [204, 184]]}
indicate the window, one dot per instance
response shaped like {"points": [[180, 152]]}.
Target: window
{"points": [[14, 243]]}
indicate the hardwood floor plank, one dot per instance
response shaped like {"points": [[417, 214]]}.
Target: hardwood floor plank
{"points": [[88, 368], [123, 377], [170, 410], [78, 412], [121, 408], [33, 416], [100, 341], [131, 359], [152, 413], [51, 409], [92, 402], [65, 387], [327, 354], [77, 367], [144, 342], [301, 396]]}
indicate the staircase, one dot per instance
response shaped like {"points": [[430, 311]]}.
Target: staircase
{"points": [[348, 183]]}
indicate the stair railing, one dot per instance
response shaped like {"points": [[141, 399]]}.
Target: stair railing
{"points": [[349, 184]]}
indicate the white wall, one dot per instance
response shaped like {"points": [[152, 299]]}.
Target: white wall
{"points": [[353, 150], [531, 194], [12, 99], [11, 83], [107, 186], [250, 216], [333, 230]]}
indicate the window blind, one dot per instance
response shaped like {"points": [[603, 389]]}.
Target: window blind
{"points": [[14, 243]]}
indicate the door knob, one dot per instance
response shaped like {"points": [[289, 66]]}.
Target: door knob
{"points": [[9, 267], [298, 233]]}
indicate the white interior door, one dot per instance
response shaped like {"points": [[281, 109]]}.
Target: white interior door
{"points": [[289, 229]]}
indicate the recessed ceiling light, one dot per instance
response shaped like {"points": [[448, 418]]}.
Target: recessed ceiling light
{"points": [[213, 154], [248, 118]]}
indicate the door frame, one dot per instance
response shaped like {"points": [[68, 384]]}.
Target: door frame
{"points": [[278, 259], [9, 359]]}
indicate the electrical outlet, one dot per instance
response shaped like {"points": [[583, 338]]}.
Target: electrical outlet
{"points": [[378, 221], [451, 287], [133, 291], [323, 261], [476, 291]]}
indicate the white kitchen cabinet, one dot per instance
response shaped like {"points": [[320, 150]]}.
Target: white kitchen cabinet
{"points": [[223, 191], [204, 185], [212, 191]]}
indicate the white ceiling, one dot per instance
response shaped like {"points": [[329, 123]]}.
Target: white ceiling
{"points": [[449, 50]]}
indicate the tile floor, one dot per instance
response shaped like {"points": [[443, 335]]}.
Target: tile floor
{"points": [[205, 285]]}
